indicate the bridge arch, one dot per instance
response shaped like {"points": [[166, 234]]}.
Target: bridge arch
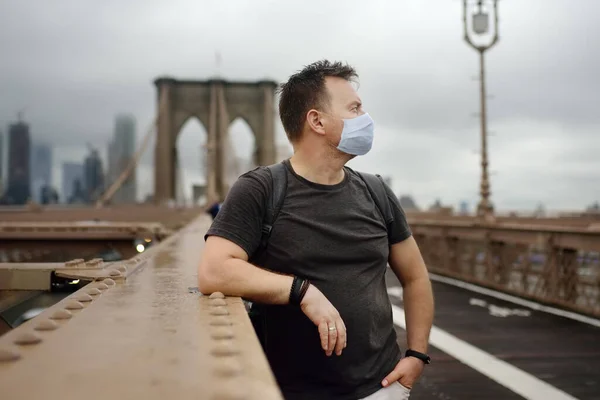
{"points": [[216, 104], [190, 161]]}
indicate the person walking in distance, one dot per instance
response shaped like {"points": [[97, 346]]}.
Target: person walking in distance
{"points": [[313, 263]]}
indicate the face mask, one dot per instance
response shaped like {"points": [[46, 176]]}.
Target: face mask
{"points": [[357, 135]]}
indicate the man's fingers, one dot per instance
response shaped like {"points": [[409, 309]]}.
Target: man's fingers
{"points": [[332, 330], [341, 337], [324, 334], [391, 378]]}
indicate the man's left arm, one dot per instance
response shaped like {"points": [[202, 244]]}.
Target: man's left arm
{"points": [[407, 263]]}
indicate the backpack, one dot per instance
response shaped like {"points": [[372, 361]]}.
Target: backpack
{"points": [[278, 172]]}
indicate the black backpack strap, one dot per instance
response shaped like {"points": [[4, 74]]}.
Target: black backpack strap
{"points": [[278, 189], [377, 190]]}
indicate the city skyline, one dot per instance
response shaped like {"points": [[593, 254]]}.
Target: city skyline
{"points": [[416, 81]]}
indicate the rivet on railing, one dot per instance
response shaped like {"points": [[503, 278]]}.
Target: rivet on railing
{"points": [[61, 314], [227, 367], [115, 273], [46, 325], [108, 282], [222, 332], [74, 263], [93, 292], [219, 311], [217, 302], [224, 348], [84, 297], [121, 268], [216, 295], [101, 286], [73, 305], [220, 321], [26, 338], [9, 354]]}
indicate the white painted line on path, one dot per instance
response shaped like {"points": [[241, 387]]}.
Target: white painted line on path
{"points": [[515, 300], [505, 374]]}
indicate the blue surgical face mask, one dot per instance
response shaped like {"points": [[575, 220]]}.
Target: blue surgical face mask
{"points": [[357, 135]]}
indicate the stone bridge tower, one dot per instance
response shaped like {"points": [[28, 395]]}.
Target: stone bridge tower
{"points": [[215, 103]]}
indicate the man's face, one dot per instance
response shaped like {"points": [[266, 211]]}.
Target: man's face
{"points": [[344, 103]]}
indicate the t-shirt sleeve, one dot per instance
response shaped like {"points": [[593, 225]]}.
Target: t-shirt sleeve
{"points": [[241, 215], [399, 230]]}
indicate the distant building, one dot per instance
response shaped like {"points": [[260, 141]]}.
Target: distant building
{"points": [[1, 164], [93, 176], [72, 178], [121, 150], [464, 208], [407, 203], [18, 190], [41, 170]]}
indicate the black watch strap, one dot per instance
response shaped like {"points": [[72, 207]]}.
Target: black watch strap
{"points": [[421, 356], [298, 290]]}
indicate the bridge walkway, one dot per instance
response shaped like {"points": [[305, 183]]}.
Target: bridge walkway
{"points": [[484, 347]]}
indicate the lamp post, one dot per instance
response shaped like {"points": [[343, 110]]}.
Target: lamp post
{"points": [[480, 26]]}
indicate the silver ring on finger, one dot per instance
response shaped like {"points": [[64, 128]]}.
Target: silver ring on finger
{"points": [[332, 328]]}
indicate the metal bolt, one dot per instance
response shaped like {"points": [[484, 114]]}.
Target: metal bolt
{"points": [[28, 338], [219, 311], [94, 292], [220, 321], [218, 302], [227, 367], [115, 273], [108, 282], [83, 297], [224, 348], [9, 354], [222, 332], [216, 295], [73, 305], [61, 314], [46, 325], [121, 268], [101, 286]]}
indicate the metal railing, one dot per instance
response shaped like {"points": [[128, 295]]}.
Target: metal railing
{"points": [[550, 264]]}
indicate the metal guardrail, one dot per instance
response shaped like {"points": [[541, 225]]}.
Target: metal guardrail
{"points": [[137, 331], [551, 264]]}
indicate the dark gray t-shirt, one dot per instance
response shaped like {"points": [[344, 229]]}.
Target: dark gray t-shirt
{"points": [[335, 236]]}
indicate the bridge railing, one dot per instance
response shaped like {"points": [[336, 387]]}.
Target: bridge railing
{"points": [[140, 329], [551, 264]]}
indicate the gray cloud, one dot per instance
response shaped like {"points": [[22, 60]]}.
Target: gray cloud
{"points": [[75, 64]]}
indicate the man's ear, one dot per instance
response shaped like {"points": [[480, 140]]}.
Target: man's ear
{"points": [[314, 121]]}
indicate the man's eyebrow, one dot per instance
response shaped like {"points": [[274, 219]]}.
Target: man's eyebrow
{"points": [[355, 103]]}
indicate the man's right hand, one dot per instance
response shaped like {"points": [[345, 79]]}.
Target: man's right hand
{"points": [[325, 316]]}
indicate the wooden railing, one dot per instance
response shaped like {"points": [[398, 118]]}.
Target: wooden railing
{"points": [[550, 264]]}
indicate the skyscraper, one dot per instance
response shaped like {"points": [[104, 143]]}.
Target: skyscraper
{"points": [[41, 169], [72, 181], [93, 176], [1, 164], [121, 150], [18, 191]]}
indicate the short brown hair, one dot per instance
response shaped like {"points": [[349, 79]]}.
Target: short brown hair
{"points": [[305, 90]]}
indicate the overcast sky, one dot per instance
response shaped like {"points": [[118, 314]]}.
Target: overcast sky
{"points": [[74, 64]]}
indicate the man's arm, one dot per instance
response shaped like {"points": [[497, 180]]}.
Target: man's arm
{"points": [[225, 268], [407, 263]]}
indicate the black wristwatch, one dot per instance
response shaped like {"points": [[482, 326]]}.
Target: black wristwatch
{"points": [[423, 357]]}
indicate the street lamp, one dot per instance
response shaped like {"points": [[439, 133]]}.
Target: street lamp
{"points": [[480, 26]]}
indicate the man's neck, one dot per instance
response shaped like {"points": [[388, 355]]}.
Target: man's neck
{"points": [[321, 167]]}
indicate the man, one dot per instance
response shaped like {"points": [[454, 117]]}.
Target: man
{"points": [[328, 329]]}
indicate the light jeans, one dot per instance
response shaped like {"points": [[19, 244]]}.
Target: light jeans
{"points": [[393, 392]]}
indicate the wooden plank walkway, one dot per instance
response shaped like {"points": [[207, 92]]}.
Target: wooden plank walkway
{"points": [[558, 351]]}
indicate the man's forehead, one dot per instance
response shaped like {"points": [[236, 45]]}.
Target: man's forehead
{"points": [[342, 90]]}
